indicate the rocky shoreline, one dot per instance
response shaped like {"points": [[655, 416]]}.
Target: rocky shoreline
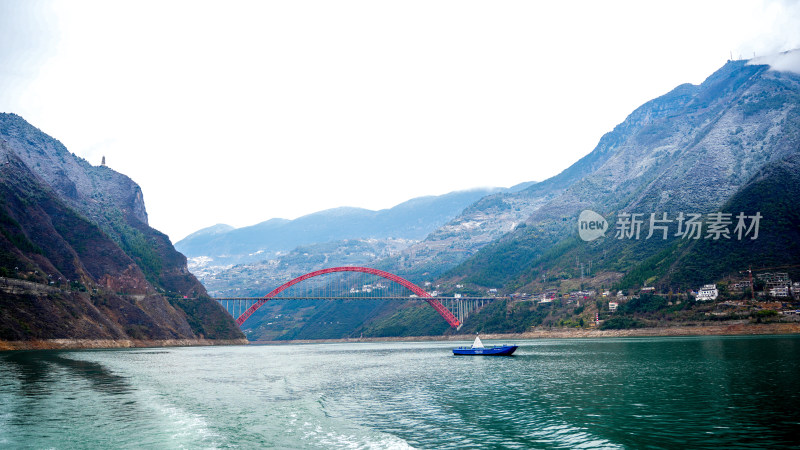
{"points": [[73, 344]]}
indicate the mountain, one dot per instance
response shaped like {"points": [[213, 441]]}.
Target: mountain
{"points": [[688, 151], [78, 258], [250, 261], [682, 265], [413, 220], [258, 278], [213, 230]]}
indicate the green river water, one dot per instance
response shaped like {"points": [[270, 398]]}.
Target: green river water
{"points": [[693, 392]]}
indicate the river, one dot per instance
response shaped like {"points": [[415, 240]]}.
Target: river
{"points": [[675, 392]]}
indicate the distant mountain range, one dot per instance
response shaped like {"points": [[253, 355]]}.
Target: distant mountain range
{"points": [[411, 220], [77, 256]]}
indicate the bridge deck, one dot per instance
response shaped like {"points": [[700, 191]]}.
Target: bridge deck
{"points": [[356, 298]]}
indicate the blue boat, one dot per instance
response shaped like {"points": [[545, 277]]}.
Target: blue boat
{"points": [[478, 349]]}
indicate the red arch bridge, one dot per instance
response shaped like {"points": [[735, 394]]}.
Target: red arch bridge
{"points": [[355, 283]]}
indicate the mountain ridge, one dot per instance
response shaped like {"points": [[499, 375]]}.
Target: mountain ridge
{"points": [[412, 219], [713, 138]]}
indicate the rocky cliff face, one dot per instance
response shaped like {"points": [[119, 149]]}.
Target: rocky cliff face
{"points": [[83, 231], [694, 147], [86, 188]]}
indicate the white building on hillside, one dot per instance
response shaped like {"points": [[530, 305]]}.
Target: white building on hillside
{"points": [[707, 292]]}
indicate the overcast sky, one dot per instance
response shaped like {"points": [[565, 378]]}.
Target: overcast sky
{"points": [[237, 112]]}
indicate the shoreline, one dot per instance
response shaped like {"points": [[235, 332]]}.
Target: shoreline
{"points": [[734, 329], [83, 344], [730, 329]]}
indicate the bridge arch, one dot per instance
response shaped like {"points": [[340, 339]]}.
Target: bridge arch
{"points": [[447, 315]]}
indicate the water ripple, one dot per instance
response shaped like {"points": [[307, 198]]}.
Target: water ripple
{"points": [[614, 393]]}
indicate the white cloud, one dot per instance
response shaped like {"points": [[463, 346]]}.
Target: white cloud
{"points": [[782, 62]]}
